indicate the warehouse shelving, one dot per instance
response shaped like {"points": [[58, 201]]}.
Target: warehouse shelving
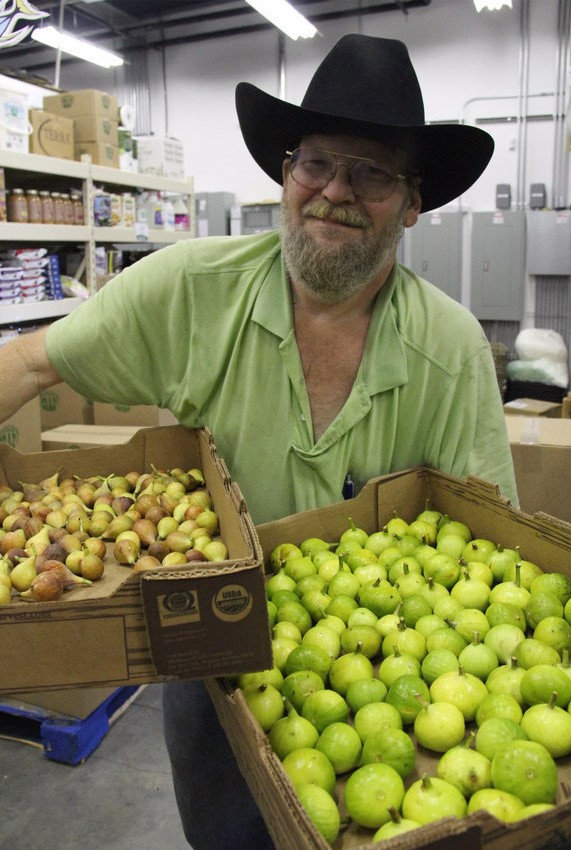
{"points": [[33, 168]]}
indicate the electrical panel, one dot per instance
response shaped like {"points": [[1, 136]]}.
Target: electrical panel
{"points": [[498, 265], [549, 242], [259, 217], [436, 250]]}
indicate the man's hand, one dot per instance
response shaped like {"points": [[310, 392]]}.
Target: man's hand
{"points": [[24, 371]]}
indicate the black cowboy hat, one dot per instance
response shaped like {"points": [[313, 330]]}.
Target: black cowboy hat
{"points": [[366, 87]]}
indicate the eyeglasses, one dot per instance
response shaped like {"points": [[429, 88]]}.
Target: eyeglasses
{"points": [[314, 169]]}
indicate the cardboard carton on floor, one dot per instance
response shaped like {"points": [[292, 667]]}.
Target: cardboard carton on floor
{"points": [[543, 540], [541, 452], [532, 407], [60, 405], [23, 430], [131, 628], [136, 414]]}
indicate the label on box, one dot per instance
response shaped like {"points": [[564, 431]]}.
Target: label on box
{"points": [[199, 623]]}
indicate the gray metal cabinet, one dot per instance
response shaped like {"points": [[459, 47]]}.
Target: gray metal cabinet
{"points": [[436, 250], [549, 242], [498, 265]]}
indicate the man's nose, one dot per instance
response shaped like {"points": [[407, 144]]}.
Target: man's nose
{"points": [[339, 189]]}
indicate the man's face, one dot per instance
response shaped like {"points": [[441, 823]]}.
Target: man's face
{"points": [[334, 241]]}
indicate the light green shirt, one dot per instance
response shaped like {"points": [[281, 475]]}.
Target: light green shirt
{"points": [[204, 328]]}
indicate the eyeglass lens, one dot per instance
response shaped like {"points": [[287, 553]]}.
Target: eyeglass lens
{"points": [[315, 168]]}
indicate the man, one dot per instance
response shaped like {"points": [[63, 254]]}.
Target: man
{"points": [[310, 354]]}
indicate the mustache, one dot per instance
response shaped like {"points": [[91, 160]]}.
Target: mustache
{"points": [[338, 214]]}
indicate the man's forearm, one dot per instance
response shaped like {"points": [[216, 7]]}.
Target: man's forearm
{"points": [[24, 371]]}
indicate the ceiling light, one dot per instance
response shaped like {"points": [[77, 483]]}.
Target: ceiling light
{"points": [[492, 5], [76, 47], [284, 17]]}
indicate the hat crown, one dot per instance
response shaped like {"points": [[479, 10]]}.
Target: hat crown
{"points": [[367, 79]]}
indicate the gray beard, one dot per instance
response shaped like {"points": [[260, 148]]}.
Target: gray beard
{"points": [[336, 272]]}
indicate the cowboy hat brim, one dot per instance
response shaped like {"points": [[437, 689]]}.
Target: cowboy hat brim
{"points": [[449, 157]]}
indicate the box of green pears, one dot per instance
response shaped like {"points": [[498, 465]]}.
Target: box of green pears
{"points": [[359, 784], [140, 619]]}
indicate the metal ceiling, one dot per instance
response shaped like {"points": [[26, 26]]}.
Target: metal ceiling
{"points": [[131, 25]]}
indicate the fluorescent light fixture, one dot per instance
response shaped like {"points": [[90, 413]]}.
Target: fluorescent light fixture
{"points": [[492, 5], [76, 47], [284, 17]]}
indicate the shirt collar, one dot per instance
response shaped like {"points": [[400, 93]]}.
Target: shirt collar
{"points": [[384, 363]]}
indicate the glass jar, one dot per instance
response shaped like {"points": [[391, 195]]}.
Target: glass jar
{"points": [[17, 206], [77, 205], [47, 207], [34, 206], [59, 214], [67, 208]]}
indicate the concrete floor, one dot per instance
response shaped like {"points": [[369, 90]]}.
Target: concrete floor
{"points": [[120, 798]]}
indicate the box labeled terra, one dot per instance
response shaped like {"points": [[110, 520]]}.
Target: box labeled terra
{"points": [[52, 135], [135, 627]]}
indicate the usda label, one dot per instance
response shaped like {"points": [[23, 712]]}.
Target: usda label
{"points": [[232, 602]]}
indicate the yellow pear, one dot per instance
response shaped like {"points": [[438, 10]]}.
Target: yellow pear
{"points": [[23, 574], [35, 545]]}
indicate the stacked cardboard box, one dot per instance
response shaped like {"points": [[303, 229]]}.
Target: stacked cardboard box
{"points": [[23, 430], [52, 135], [532, 407], [94, 114]]}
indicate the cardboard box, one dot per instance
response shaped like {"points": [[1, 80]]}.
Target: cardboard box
{"points": [[74, 702], [95, 128], [137, 627], [541, 451], [73, 436], [60, 405], [477, 503], [137, 414], [23, 431], [52, 135], [100, 153], [82, 102], [161, 155], [532, 407], [566, 407]]}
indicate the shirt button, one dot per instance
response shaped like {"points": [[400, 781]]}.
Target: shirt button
{"points": [[302, 418]]}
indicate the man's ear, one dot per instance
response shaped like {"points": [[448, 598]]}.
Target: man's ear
{"points": [[413, 211], [285, 169]]}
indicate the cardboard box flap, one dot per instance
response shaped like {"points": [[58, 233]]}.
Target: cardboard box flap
{"points": [[175, 601]]}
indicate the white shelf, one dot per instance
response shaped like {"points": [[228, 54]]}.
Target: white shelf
{"points": [[87, 236], [13, 232], [44, 164], [154, 182], [14, 313], [127, 234]]}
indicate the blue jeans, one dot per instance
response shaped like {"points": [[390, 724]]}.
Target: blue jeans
{"points": [[215, 804]]}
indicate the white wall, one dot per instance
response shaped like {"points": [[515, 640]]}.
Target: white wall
{"points": [[464, 61]]}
